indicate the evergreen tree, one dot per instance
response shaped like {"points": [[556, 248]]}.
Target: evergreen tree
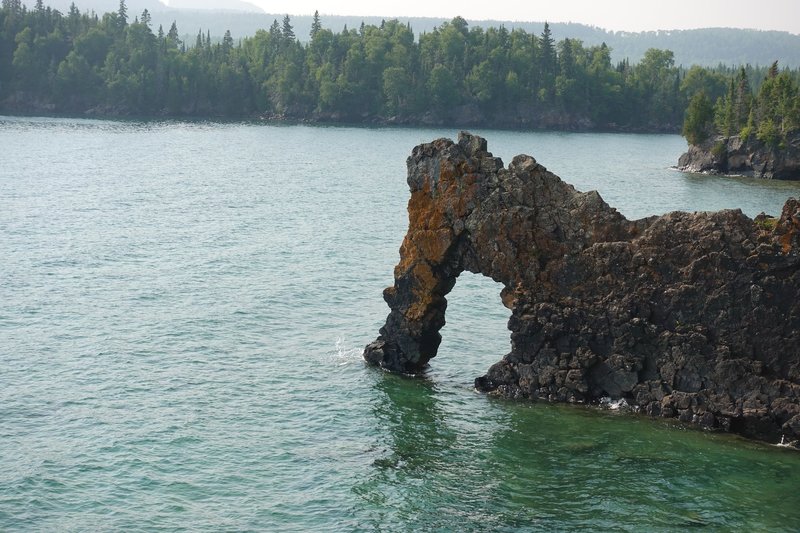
{"points": [[173, 39], [122, 14], [287, 31], [741, 105], [724, 113], [773, 70], [275, 30], [316, 25], [547, 62], [548, 49], [699, 121], [227, 42]]}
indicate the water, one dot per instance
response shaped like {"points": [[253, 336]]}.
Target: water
{"points": [[182, 310]]}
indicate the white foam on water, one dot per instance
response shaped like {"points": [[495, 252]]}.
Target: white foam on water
{"points": [[344, 353], [615, 405]]}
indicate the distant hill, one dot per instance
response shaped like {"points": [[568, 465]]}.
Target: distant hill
{"points": [[101, 6], [706, 47], [135, 7], [215, 5]]}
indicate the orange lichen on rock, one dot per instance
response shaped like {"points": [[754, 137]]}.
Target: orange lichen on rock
{"points": [[424, 290], [432, 245], [424, 212], [788, 226]]}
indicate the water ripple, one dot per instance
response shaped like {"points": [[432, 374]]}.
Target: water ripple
{"points": [[183, 307]]}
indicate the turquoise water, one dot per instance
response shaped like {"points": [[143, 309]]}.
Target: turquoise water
{"points": [[182, 311]]}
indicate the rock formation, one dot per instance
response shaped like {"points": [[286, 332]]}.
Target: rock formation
{"points": [[687, 315], [750, 157]]}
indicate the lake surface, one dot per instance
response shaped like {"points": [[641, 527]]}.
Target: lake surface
{"points": [[182, 312]]}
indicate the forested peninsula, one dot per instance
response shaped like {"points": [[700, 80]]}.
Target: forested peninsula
{"points": [[742, 133], [117, 64]]}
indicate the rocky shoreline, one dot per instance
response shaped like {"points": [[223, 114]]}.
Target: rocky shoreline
{"points": [[463, 116], [744, 157], [694, 316]]}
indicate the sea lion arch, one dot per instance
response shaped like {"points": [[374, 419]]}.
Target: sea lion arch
{"points": [[688, 315]]}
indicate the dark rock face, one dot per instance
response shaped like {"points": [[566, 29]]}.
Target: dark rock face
{"points": [[750, 157], [693, 316]]}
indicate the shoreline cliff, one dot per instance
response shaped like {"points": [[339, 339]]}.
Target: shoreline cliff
{"points": [[744, 157]]}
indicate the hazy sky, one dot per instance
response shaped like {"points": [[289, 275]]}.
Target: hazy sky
{"points": [[630, 15]]}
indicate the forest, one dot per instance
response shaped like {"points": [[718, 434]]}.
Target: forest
{"points": [[117, 64], [771, 114]]}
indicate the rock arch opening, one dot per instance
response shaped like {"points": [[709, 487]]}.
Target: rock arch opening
{"points": [[476, 329]]}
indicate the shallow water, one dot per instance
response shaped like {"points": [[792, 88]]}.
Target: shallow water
{"points": [[182, 311]]}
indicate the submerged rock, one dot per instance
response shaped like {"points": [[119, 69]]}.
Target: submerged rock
{"points": [[693, 316], [747, 157]]}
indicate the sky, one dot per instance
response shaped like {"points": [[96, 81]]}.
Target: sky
{"points": [[618, 15]]}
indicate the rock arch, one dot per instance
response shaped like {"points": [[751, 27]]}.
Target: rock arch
{"points": [[467, 213], [695, 316]]}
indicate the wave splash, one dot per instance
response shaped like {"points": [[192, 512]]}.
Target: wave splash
{"points": [[344, 353]]}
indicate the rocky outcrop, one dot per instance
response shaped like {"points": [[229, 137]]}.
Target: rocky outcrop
{"points": [[694, 316], [747, 157]]}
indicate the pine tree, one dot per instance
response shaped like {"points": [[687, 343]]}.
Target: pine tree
{"points": [[146, 18], [699, 119], [548, 48], [547, 64], [275, 30], [122, 14], [227, 42], [172, 35], [741, 104], [316, 25], [287, 31], [724, 112], [773, 71]]}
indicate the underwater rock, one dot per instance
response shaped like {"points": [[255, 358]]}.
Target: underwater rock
{"points": [[694, 316]]}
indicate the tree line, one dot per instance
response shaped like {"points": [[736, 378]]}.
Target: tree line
{"points": [[770, 114], [76, 62]]}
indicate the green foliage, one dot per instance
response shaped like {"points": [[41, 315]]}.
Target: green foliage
{"points": [[732, 110], [442, 87], [80, 61], [316, 25], [719, 149], [768, 133], [766, 223], [770, 115], [697, 125], [698, 79]]}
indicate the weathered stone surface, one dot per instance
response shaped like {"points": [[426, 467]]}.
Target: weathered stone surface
{"points": [[687, 315], [733, 155]]}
